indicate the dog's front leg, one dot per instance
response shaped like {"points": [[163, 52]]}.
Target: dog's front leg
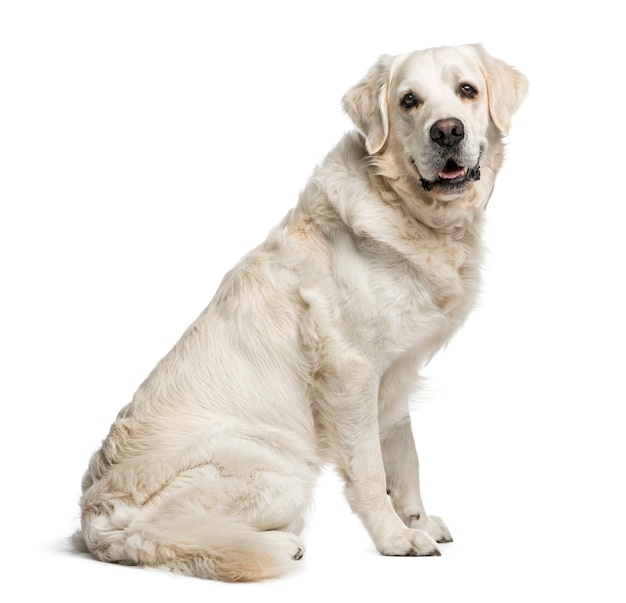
{"points": [[351, 417], [403, 483]]}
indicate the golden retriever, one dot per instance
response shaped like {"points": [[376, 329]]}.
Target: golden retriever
{"points": [[311, 347]]}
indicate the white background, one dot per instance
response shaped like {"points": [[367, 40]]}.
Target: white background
{"points": [[146, 146]]}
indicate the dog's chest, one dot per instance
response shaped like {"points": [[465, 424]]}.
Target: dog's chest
{"points": [[390, 304]]}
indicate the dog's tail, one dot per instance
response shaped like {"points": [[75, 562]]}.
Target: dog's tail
{"points": [[198, 545]]}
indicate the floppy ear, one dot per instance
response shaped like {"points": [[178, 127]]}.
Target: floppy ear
{"points": [[366, 104], [506, 88]]}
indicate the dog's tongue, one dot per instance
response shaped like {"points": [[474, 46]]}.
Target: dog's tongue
{"points": [[452, 171]]}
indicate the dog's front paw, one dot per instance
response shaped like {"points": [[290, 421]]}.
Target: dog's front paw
{"points": [[437, 529], [432, 525], [409, 543]]}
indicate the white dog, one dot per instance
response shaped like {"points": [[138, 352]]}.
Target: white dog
{"points": [[311, 347]]}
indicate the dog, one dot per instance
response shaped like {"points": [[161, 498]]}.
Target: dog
{"points": [[311, 347]]}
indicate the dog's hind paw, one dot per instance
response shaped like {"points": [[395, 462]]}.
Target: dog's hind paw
{"points": [[288, 542]]}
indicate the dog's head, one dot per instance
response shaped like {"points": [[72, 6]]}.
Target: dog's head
{"points": [[439, 113]]}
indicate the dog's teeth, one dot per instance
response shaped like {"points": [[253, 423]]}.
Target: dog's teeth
{"points": [[453, 174]]}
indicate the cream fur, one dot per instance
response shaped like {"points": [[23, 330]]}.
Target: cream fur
{"points": [[312, 345]]}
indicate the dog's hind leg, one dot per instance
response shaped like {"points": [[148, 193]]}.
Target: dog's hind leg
{"points": [[227, 520]]}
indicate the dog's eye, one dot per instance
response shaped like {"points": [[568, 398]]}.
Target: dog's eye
{"points": [[468, 91], [409, 100]]}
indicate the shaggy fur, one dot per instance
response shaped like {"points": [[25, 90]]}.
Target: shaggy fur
{"points": [[311, 346]]}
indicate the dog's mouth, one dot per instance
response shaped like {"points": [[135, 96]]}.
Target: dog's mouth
{"points": [[452, 177]]}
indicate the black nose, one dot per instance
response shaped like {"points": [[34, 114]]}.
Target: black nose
{"points": [[447, 132]]}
